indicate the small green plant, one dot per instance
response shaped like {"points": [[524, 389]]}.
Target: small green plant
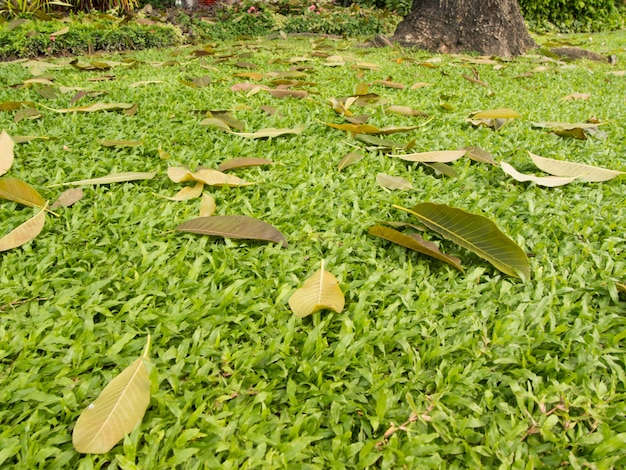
{"points": [[15, 8]]}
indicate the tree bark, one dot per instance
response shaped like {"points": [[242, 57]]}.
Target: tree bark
{"points": [[489, 27]]}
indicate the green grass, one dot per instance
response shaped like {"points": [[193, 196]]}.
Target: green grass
{"points": [[498, 373]]}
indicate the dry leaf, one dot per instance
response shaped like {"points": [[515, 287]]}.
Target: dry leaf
{"points": [[6, 152], [16, 190], [234, 226], [548, 181], [320, 292], [207, 206], [576, 96], [118, 409], [188, 192], [205, 175], [442, 156], [243, 162], [406, 111], [25, 232], [67, 198], [393, 182], [114, 178], [593, 174], [270, 132]]}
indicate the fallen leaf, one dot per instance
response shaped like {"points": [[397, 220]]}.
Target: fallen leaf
{"points": [[96, 107], [389, 84], [417, 85], [442, 169], [576, 96], [281, 93], [501, 113], [68, 198], [113, 178], [270, 132], [207, 206], [118, 409], [234, 226], [28, 113], [243, 162], [206, 176], [441, 156], [144, 83], [16, 190], [416, 243], [320, 292], [476, 233], [25, 232], [592, 174], [393, 182], [188, 192], [349, 159], [406, 111], [548, 181], [6, 152], [215, 122], [120, 143], [479, 155]]}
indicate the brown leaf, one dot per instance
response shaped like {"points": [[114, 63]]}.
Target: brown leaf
{"points": [[282, 93], [416, 243], [68, 198], [234, 226], [442, 156]]}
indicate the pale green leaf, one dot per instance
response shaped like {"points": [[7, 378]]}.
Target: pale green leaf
{"points": [[116, 412]]}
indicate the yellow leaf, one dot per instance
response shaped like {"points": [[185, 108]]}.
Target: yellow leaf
{"points": [[321, 291], [16, 190], [25, 232], [188, 192], [117, 410], [206, 176], [207, 206]]}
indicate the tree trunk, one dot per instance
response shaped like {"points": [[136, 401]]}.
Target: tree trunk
{"points": [[489, 27]]}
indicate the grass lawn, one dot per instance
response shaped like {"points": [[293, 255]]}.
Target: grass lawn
{"points": [[426, 367]]}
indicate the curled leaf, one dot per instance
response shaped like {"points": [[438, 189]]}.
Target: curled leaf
{"points": [[234, 226], [479, 155], [207, 206], [548, 181], [6, 152], [25, 232], [118, 409], [321, 291], [206, 176], [188, 192]]}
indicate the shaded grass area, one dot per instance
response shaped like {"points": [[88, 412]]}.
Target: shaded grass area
{"points": [[492, 372]]}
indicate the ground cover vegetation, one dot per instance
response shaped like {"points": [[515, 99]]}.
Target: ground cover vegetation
{"points": [[316, 291]]}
